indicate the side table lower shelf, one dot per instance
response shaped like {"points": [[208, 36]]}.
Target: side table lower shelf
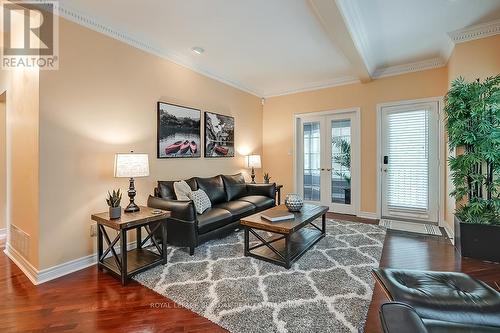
{"points": [[138, 260]]}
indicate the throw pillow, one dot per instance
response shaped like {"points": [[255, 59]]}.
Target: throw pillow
{"points": [[201, 201], [182, 190]]}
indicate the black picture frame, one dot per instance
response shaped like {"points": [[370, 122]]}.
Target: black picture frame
{"points": [[219, 137], [176, 123]]}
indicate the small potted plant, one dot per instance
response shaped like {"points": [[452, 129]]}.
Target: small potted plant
{"points": [[267, 178], [113, 200]]}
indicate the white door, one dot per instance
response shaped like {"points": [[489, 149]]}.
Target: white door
{"points": [[326, 161], [410, 162]]}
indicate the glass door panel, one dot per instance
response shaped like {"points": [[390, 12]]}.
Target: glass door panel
{"points": [[340, 170], [312, 161]]}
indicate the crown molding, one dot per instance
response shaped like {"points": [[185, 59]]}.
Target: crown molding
{"points": [[475, 32], [408, 68], [341, 81], [88, 22], [352, 18]]}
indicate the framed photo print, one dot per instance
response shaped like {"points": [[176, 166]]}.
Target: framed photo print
{"points": [[219, 135], [178, 131]]}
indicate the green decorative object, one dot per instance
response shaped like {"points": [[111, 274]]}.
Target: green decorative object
{"points": [[473, 125], [267, 178], [113, 200], [344, 159]]}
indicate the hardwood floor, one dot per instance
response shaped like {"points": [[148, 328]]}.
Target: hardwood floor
{"points": [[93, 301]]}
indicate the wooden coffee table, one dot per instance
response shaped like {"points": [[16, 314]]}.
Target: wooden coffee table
{"points": [[291, 239]]}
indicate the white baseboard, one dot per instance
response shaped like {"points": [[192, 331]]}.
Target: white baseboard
{"points": [[3, 233], [21, 262], [41, 276], [368, 215], [449, 233]]}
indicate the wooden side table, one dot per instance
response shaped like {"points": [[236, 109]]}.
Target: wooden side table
{"points": [[128, 263]]}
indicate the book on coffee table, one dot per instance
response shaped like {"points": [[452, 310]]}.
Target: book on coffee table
{"points": [[276, 215]]}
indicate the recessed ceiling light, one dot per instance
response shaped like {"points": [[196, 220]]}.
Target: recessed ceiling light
{"points": [[198, 50]]}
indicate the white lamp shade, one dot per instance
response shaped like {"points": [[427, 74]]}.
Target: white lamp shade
{"points": [[254, 161], [131, 165]]}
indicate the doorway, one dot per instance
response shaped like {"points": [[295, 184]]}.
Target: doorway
{"points": [[409, 156], [327, 159]]}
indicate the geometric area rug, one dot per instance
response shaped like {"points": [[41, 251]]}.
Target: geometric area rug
{"points": [[328, 289]]}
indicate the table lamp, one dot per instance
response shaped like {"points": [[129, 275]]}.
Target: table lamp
{"points": [[131, 165], [253, 161]]}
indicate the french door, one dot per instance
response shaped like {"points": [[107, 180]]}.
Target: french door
{"points": [[410, 162], [326, 159]]}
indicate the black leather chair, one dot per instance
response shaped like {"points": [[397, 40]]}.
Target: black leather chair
{"points": [[231, 200], [442, 301]]}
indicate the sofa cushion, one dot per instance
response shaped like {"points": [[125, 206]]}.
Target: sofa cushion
{"points": [[238, 208], [213, 218], [166, 188], [200, 200], [260, 201], [214, 188], [182, 190], [235, 186]]}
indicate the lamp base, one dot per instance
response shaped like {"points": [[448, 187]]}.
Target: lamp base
{"points": [[131, 208], [253, 176]]}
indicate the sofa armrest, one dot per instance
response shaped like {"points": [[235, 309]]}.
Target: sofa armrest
{"points": [[400, 317], [268, 190], [180, 210]]}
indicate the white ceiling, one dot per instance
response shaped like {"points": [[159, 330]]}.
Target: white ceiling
{"points": [[396, 32], [271, 47]]}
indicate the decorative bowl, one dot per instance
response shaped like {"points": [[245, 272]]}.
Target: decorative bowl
{"points": [[294, 202]]}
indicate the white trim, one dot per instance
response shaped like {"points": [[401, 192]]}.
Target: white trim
{"points": [[23, 264], [341, 81], [368, 215], [355, 169], [352, 18], [41, 276], [441, 150], [449, 233], [408, 68], [475, 32]]}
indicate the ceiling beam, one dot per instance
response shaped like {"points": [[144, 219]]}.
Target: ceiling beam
{"points": [[333, 22]]}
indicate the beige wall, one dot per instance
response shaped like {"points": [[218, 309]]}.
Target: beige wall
{"points": [[3, 161], [279, 111], [21, 87], [472, 60], [475, 59], [102, 100]]}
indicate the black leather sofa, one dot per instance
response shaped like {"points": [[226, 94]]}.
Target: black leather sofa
{"points": [[437, 302], [231, 200]]}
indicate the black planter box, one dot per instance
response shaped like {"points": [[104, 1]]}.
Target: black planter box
{"points": [[479, 241]]}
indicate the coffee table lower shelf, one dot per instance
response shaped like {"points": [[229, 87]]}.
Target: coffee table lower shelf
{"points": [[282, 250]]}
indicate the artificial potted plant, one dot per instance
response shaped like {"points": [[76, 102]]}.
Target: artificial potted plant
{"points": [[473, 124], [113, 200], [267, 178]]}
